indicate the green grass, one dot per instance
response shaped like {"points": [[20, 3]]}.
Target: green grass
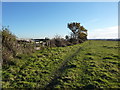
{"points": [[35, 70], [94, 66]]}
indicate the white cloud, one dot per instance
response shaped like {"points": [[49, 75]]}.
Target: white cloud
{"points": [[104, 33]]}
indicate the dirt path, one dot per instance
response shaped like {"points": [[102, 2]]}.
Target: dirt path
{"points": [[61, 69]]}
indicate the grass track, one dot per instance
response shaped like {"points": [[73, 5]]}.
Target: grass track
{"points": [[93, 64], [61, 69]]}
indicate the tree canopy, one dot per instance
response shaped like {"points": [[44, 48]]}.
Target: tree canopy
{"points": [[78, 31]]}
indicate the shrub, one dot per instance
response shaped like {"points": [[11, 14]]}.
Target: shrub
{"points": [[11, 48]]}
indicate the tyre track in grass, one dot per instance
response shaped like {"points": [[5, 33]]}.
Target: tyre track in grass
{"points": [[57, 74]]}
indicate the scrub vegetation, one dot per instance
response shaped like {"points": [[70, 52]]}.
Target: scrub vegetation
{"points": [[74, 62], [95, 65]]}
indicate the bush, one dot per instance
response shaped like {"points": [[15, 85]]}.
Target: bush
{"points": [[11, 48], [9, 45], [58, 42]]}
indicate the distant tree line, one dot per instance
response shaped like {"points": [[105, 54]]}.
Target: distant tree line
{"points": [[78, 35], [11, 47]]}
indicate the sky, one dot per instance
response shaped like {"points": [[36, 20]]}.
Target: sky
{"points": [[60, 0], [47, 19]]}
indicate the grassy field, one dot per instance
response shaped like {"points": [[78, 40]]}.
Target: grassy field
{"points": [[92, 64]]}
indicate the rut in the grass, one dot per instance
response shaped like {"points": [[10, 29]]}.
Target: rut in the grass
{"points": [[61, 69]]}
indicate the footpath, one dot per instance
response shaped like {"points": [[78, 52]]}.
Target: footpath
{"points": [[57, 74]]}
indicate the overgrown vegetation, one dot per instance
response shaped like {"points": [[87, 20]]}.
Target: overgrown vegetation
{"points": [[35, 70], [94, 66], [62, 63], [11, 48]]}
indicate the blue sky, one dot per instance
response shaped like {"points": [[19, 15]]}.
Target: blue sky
{"points": [[47, 19]]}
